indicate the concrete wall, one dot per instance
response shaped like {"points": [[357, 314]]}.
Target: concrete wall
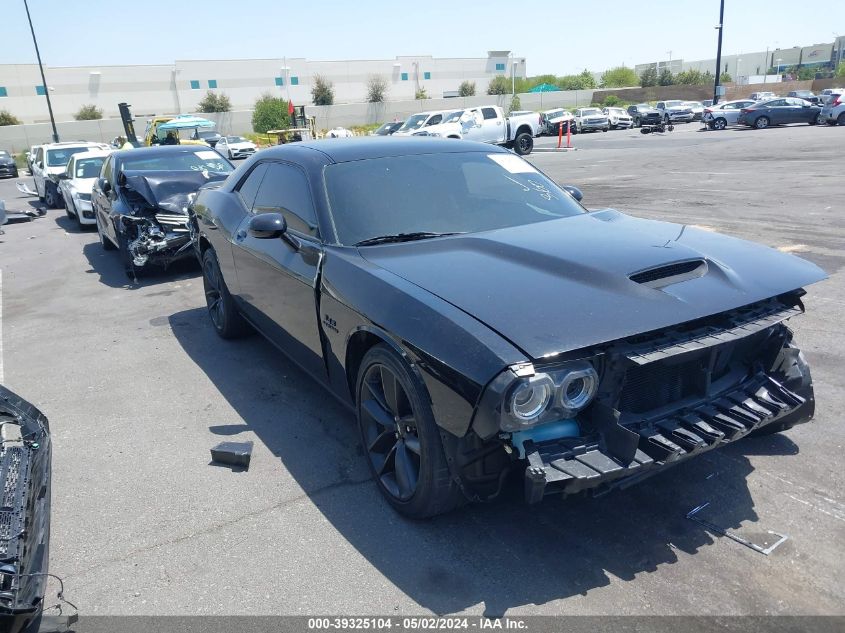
{"points": [[178, 87], [699, 93], [17, 138]]}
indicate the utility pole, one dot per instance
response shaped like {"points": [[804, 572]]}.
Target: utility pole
{"points": [[43, 79], [720, 27]]}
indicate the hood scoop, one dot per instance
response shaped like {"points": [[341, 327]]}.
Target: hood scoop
{"points": [[669, 274]]}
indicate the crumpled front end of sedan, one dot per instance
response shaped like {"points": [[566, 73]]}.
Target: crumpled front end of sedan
{"points": [[156, 232], [25, 453], [612, 415]]}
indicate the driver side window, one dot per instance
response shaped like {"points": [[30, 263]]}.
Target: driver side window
{"points": [[285, 190]]}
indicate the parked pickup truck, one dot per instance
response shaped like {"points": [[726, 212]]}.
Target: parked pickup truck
{"points": [[488, 124], [675, 112]]}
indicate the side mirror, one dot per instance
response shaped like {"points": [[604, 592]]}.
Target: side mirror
{"points": [[104, 185], [40, 164], [267, 226], [575, 192]]}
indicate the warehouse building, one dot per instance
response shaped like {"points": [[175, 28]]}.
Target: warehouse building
{"points": [[180, 86]]}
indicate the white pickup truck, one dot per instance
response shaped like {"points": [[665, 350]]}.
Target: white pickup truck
{"points": [[488, 124]]}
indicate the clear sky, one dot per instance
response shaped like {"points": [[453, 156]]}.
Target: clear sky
{"points": [[555, 37]]}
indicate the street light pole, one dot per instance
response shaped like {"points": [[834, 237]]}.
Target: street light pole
{"points": [[43, 79], [719, 53], [513, 74]]}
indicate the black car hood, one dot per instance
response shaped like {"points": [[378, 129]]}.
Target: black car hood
{"points": [[7, 160], [564, 284], [169, 190]]}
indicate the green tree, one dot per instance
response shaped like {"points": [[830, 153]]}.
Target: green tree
{"points": [[376, 89], [587, 80], [666, 78], [611, 101], [212, 102], [690, 78], [619, 77], [467, 89], [516, 104], [7, 118], [840, 70], [323, 91], [649, 77], [725, 78], [88, 112], [499, 86], [270, 113], [421, 94], [806, 73]]}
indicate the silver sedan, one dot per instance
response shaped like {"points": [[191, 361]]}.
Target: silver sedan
{"points": [[720, 116]]}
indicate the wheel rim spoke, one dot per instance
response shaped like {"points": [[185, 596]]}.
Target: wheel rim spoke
{"points": [[376, 412], [390, 388], [412, 443], [406, 472]]}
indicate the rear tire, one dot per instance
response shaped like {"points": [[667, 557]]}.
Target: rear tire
{"points": [[720, 124], [761, 123], [227, 321], [523, 144], [401, 439], [840, 120]]}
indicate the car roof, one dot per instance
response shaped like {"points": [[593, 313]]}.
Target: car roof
{"points": [[366, 147], [160, 150], [73, 144], [97, 153]]}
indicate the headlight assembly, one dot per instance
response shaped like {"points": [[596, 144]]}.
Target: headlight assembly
{"points": [[557, 394]]}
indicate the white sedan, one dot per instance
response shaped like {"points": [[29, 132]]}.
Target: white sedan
{"points": [[233, 147], [75, 185], [720, 116]]}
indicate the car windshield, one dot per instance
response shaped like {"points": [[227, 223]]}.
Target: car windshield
{"points": [[414, 122], [4, 154], [60, 157], [88, 167], [462, 192], [693, 104], [235, 139], [210, 134], [454, 116], [589, 111], [672, 104], [555, 114], [199, 160], [615, 111]]}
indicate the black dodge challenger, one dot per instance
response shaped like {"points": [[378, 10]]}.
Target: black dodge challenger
{"points": [[480, 320]]}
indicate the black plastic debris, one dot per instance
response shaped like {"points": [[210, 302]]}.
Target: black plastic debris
{"points": [[232, 453]]}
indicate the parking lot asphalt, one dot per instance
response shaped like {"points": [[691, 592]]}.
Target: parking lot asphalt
{"points": [[138, 388]]}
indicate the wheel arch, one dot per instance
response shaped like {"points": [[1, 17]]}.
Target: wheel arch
{"points": [[362, 340], [523, 128]]}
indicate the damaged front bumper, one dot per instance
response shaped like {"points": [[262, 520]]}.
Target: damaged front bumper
{"points": [[25, 454], [664, 400], [573, 465]]}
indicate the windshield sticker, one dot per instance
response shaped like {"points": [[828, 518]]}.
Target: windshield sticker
{"points": [[208, 154], [513, 164]]}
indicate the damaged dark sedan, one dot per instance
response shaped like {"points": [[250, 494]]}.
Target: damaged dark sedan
{"points": [[480, 321], [25, 515], [141, 198]]}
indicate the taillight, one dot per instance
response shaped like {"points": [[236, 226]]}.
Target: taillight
{"points": [[838, 101], [745, 110], [708, 111]]}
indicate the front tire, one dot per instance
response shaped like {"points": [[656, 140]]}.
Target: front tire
{"points": [[105, 242], [227, 321], [400, 437], [51, 196]]}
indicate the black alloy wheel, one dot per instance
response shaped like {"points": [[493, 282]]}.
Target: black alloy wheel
{"points": [[227, 321], [400, 437], [523, 144]]}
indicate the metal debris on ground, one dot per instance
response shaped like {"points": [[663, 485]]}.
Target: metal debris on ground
{"points": [[732, 535], [232, 453]]}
